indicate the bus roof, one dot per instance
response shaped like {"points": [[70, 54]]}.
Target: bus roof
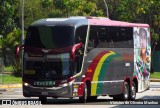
{"points": [[61, 22], [77, 21], [108, 22]]}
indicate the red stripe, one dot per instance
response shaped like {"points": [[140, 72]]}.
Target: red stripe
{"points": [[89, 75], [72, 49], [50, 51], [94, 64]]}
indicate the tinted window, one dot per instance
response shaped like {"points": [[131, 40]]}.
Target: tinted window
{"points": [[50, 37], [112, 37], [81, 33]]}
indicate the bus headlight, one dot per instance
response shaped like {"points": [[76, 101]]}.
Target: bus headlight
{"points": [[64, 85], [26, 84]]}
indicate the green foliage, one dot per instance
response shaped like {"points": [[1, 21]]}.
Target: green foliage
{"points": [[77, 8], [155, 75], [10, 79], [8, 69], [7, 16], [10, 41], [46, 3]]}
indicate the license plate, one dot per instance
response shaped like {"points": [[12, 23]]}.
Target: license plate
{"points": [[44, 93]]}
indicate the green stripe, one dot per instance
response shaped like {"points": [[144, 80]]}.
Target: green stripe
{"points": [[103, 72]]}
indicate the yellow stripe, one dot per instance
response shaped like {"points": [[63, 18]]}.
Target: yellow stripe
{"points": [[97, 71]]}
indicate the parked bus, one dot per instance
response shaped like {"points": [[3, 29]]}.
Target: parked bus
{"points": [[86, 57]]}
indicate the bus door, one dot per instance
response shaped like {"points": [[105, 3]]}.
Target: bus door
{"points": [[80, 37]]}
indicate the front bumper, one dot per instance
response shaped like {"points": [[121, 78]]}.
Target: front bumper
{"points": [[63, 91]]}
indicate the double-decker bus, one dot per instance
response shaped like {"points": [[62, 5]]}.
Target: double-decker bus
{"points": [[86, 57]]}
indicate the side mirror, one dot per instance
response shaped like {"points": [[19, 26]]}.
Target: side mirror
{"points": [[74, 48]]}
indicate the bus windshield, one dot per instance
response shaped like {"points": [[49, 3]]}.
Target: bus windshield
{"points": [[49, 36]]}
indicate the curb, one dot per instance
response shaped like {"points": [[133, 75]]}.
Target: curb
{"points": [[154, 80], [2, 90], [10, 86]]}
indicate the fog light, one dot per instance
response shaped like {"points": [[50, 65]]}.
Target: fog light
{"points": [[64, 92]]}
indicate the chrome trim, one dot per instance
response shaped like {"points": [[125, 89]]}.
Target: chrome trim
{"points": [[78, 82]]}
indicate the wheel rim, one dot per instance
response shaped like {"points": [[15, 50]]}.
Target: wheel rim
{"points": [[126, 92], [85, 93], [133, 91]]}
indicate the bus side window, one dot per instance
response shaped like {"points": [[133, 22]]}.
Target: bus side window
{"points": [[96, 39], [90, 41], [111, 44], [93, 40], [80, 35]]}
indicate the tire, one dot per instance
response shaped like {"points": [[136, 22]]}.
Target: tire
{"points": [[124, 95], [126, 91], [92, 98], [116, 97], [83, 99], [132, 94], [43, 99]]}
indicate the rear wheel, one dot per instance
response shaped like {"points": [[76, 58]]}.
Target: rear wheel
{"points": [[132, 95], [92, 98], [124, 95], [126, 91]]}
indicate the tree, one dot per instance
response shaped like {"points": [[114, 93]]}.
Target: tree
{"points": [[9, 27], [77, 8], [11, 40], [7, 15]]}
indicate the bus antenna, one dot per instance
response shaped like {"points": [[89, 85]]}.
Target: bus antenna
{"points": [[106, 8]]}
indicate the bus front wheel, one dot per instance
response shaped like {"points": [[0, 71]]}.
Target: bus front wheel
{"points": [[83, 99]]}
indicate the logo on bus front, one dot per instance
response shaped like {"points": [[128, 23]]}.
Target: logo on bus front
{"points": [[44, 83], [45, 50]]}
